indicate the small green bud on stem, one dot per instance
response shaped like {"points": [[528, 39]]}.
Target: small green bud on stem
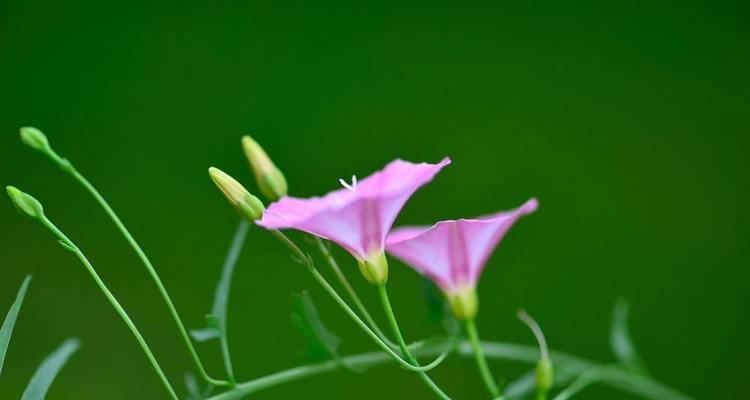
{"points": [[271, 181], [25, 203], [464, 303], [247, 205], [35, 139], [545, 372], [545, 375], [375, 268]]}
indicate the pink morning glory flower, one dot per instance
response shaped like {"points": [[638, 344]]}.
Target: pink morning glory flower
{"points": [[453, 253], [359, 216]]}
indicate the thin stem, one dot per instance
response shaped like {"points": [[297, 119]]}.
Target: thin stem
{"points": [[326, 252], [391, 316], [307, 261], [68, 167], [618, 377], [484, 369], [115, 304], [536, 330]]}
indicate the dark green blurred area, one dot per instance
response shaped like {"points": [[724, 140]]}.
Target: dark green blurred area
{"points": [[628, 122]]}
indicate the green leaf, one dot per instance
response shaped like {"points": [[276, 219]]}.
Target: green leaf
{"points": [[10, 320], [48, 370], [213, 329], [620, 341], [322, 343], [221, 295], [194, 392], [438, 310], [434, 299]]}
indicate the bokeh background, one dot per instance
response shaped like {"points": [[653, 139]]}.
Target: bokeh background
{"points": [[628, 121]]}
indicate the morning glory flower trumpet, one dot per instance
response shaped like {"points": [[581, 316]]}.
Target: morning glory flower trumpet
{"points": [[359, 216], [453, 253]]}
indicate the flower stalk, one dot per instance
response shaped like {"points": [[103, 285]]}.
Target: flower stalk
{"points": [[391, 316], [33, 138], [22, 201], [484, 369], [544, 373]]}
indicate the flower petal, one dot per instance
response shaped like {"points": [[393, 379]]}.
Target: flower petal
{"points": [[453, 253], [358, 220]]}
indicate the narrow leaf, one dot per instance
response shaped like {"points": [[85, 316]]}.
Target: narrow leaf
{"points": [[213, 329], [322, 343], [10, 320], [221, 295], [194, 392], [620, 341], [204, 335], [48, 370]]}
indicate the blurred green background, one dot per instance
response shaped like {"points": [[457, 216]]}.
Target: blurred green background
{"points": [[629, 122]]}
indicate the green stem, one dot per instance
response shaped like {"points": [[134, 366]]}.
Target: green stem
{"points": [[69, 168], [484, 369], [391, 316], [67, 243], [307, 261], [326, 251], [619, 377]]}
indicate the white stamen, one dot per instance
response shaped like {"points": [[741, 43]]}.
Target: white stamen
{"points": [[352, 187]]}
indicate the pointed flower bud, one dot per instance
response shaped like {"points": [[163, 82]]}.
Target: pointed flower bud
{"points": [[271, 181], [246, 204], [25, 203], [34, 138], [375, 268], [464, 302]]}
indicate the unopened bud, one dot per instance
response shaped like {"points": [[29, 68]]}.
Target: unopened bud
{"points": [[375, 268], [545, 374], [25, 203], [271, 181], [34, 138], [246, 204], [464, 303]]}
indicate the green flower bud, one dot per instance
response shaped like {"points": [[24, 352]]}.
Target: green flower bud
{"points": [[34, 138], [25, 203], [271, 181], [464, 303], [545, 374], [375, 268], [247, 205]]}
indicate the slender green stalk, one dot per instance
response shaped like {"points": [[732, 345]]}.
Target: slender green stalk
{"points": [[617, 376], [326, 251], [67, 243], [307, 262], [484, 369], [391, 316], [69, 168]]}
